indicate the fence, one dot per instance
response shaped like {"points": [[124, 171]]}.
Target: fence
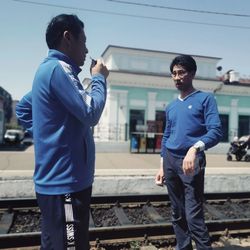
{"points": [[111, 132]]}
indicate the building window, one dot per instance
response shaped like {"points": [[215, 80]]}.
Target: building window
{"points": [[136, 120], [225, 127], [160, 117], [244, 125]]}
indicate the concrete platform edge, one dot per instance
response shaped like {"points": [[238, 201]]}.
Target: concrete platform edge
{"points": [[115, 185]]}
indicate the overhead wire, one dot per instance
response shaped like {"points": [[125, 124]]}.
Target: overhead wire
{"points": [[131, 15], [178, 9]]}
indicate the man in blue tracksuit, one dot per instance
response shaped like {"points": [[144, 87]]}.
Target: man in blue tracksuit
{"points": [[192, 126], [60, 113]]}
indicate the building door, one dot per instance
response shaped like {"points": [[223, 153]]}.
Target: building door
{"points": [[160, 117], [225, 127], [136, 120], [244, 125], [136, 130]]}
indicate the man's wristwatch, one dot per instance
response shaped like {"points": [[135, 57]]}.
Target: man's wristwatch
{"points": [[197, 147]]}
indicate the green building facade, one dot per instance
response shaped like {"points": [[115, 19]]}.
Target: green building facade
{"points": [[140, 86]]}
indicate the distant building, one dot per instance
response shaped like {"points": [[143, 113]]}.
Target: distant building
{"points": [[13, 119], [1, 119], [140, 86], [5, 110]]}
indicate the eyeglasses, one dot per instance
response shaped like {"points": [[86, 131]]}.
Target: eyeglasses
{"points": [[180, 73]]}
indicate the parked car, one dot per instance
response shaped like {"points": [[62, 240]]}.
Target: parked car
{"points": [[27, 140], [13, 136]]}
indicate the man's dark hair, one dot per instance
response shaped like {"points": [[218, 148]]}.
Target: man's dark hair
{"points": [[58, 25], [186, 61]]}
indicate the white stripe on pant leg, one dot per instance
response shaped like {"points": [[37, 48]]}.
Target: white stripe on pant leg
{"points": [[68, 212], [70, 230]]}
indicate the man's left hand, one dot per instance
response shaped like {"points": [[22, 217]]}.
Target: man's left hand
{"points": [[189, 161]]}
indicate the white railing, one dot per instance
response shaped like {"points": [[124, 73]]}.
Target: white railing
{"points": [[111, 132]]}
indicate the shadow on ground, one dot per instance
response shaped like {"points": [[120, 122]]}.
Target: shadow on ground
{"points": [[13, 147]]}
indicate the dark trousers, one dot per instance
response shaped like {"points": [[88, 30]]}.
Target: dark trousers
{"points": [[186, 197], [65, 220]]}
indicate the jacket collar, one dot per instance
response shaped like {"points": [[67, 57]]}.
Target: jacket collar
{"points": [[60, 56]]}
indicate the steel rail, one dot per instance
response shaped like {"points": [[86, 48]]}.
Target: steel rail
{"points": [[216, 228]]}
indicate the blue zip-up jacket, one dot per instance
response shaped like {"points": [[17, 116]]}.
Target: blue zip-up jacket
{"points": [[192, 119], [61, 120]]}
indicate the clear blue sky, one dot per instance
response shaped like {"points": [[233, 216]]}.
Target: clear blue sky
{"points": [[23, 25]]}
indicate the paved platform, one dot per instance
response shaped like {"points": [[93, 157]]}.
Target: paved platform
{"points": [[22, 162], [122, 173]]}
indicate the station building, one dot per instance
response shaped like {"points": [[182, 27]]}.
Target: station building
{"points": [[140, 87]]}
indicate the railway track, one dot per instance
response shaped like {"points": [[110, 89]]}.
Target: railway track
{"points": [[123, 218]]}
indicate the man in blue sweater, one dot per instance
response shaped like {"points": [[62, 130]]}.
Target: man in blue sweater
{"points": [[192, 126], [60, 113]]}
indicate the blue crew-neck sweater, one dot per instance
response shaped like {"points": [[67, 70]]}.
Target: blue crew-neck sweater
{"points": [[62, 116], [189, 120]]}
